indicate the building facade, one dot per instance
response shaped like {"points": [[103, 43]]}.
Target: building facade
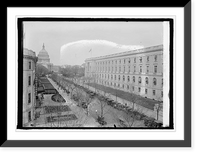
{"points": [[137, 71], [29, 89]]}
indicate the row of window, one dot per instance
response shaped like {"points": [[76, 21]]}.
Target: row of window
{"points": [[29, 80], [133, 88], [129, 77], [155, 69], [128, 60]]}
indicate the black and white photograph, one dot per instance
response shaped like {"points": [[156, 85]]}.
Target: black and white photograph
{"points": [[95, 73], [98, 77]]}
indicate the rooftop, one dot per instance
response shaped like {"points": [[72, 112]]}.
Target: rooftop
{"points": [[29, 52], [46, 84], [143, 50]]}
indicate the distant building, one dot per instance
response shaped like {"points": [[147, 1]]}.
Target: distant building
{"points": [[43, 58], [55, 69], [137, 71], [29, 85]]}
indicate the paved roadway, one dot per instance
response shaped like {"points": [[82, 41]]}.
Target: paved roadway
{"points": [[110, 114]]}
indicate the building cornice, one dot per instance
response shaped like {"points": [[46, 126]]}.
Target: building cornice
{"points": [[127, 53], [34, 58]]}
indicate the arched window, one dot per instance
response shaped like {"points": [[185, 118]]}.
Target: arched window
{"points": [[146, 91], [128, 87], [154, 81], [139, 80], [154, 92], [128, 78], [119, 77], [146, 80], [133, 78], [123, 78]]}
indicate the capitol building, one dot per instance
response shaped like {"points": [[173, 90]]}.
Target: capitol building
{"points": [[43, 58]]}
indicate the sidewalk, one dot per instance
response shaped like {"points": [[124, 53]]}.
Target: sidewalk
{"points": [[83, 120]]}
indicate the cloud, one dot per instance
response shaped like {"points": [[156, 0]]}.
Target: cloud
{"points": [[76, 52]]}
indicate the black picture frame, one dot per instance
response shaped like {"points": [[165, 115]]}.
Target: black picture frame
{"points": [[126, 143]]}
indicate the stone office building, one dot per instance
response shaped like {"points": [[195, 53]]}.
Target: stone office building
{"points": [[137, 71], [29, 87]]}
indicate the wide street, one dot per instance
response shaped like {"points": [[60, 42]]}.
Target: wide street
{"points": [[110, 114]]}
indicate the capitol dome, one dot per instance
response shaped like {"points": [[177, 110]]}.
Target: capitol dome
{"points": [[43, 56]]}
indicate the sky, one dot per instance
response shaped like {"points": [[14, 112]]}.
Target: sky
{"points": [[73, 42]]}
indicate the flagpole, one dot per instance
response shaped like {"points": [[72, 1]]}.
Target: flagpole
{"points": [[90, 51]]}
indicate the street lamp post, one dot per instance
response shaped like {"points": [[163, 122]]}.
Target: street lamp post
{"points": [[96, 113]]}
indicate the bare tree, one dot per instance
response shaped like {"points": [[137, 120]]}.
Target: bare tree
{"points": [[132, 119], [87, 100], [103, 103], [134, 99], [79, 95], [67, 85], [157, 108], [116, 94], [88, 80], [128, 120], [72, 88]]}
